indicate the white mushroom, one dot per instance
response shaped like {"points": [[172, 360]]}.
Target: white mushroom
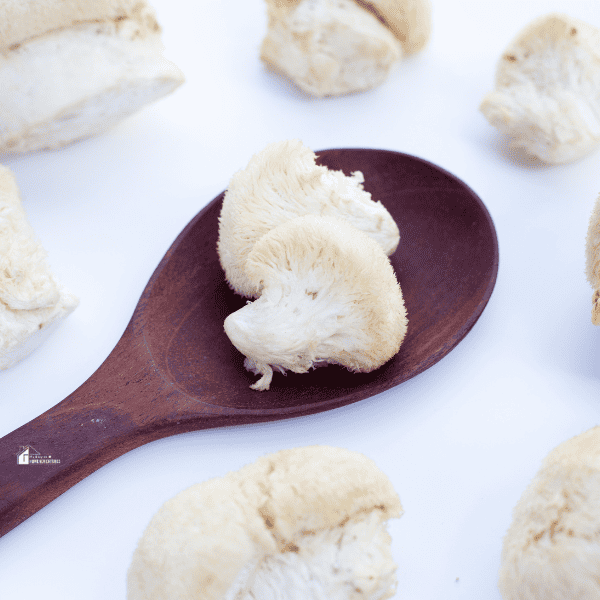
{"points": [[551, 550], [282, 182], [328, 295], [592, 256], [71, 69], [32, 302], [547, 95], [306, 523], [329, 47]]}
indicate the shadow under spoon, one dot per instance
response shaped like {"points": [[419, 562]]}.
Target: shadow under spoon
{"points": [[174, 369]]}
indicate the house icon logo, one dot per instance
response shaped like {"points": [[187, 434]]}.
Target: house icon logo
{"points": [[28, 455], [25, 454]]}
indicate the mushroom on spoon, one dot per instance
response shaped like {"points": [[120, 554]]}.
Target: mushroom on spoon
{"points": [[329, 295], [174, 369]]}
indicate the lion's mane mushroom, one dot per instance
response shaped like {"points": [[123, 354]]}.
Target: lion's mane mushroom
{"points": [[592, 256], [32, 302], [551, 548], [547, 95], [301, 523], [282, 182], [71, 69], [328, 295], [331, 47]]}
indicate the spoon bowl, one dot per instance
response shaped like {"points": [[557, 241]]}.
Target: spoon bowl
{"points": [[174, 369]]}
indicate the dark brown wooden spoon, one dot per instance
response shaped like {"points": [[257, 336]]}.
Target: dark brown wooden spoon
{"points": [[174, 370]]}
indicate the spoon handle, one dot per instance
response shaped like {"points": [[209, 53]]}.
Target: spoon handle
{"points": [[101, 420], [43, 458]]}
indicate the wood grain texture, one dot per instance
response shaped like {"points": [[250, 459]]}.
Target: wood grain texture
{"points": [[174, 370]]}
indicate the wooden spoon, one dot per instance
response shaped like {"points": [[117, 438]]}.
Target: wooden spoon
{"points": [[174, 370]]}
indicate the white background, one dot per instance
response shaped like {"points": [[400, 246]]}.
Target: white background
{"points": [[460, 441]]}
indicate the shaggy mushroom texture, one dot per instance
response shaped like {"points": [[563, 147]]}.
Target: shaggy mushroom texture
{"points": [[328, 295], [32, 302], [547, 95], [551, 550], [303, 523], [281, 182]]}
